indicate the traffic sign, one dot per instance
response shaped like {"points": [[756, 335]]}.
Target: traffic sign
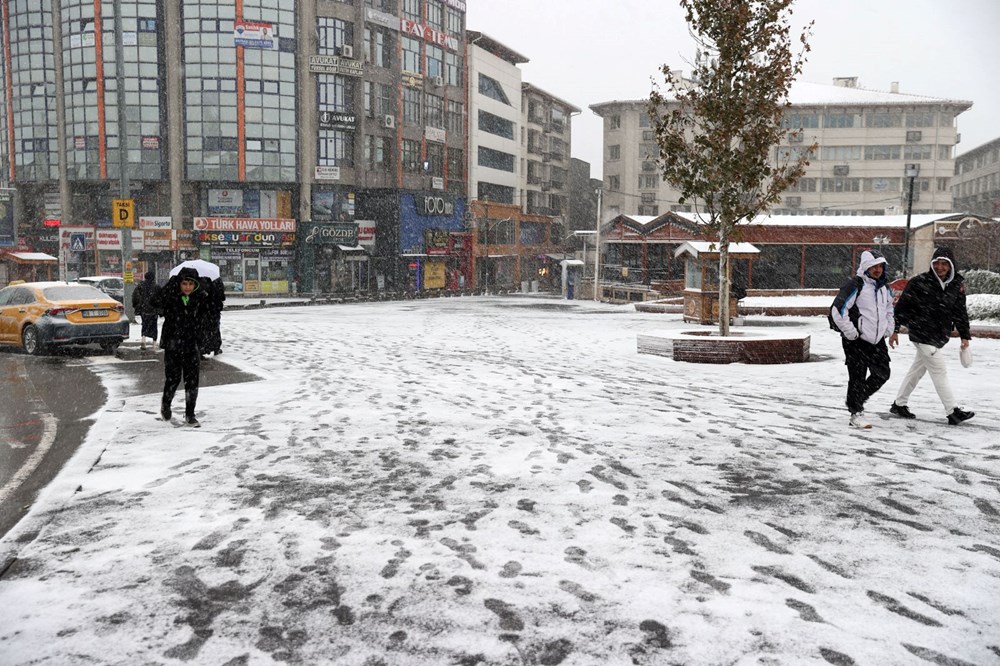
{"points": [[123, 213], [77, 242]]}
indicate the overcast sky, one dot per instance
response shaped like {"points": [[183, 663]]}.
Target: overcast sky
{"points": [[585, 51]]}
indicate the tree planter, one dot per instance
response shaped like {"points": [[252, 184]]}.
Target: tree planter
{"points": [[743, 347]]}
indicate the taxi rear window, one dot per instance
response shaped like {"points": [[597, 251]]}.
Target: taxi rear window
{"points": [[74, 292]]}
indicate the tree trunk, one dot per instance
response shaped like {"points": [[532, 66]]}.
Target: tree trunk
{"points": [[724, 286]]}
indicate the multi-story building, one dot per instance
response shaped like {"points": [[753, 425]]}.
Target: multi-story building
{"points": [[319, 141], [546, 136], [976, 184], [865, 140]]}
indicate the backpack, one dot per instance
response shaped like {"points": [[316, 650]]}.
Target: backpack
{"points": [[852, 312]]}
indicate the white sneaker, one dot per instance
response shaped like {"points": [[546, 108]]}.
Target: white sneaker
{"points": [[858, 420]]}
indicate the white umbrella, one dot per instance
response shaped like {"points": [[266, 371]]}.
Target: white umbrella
{"points": [[206, 269]]}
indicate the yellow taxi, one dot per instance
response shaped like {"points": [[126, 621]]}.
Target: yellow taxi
{"points": [[37, 316]]}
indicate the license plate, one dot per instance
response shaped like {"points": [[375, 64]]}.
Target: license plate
{"points": [[95, 313]]}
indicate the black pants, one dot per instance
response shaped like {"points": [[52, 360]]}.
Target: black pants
{"points": [[867, 371], [184, 363]]}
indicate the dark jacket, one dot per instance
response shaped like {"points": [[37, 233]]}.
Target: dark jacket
{"points": [[183, 323], [144, 296], [930, 307]]}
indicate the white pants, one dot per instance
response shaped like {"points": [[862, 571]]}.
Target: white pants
{"points": [[928, 359]]}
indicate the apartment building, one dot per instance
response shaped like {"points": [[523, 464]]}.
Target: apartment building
{"points": [[866, 139], [546, 136], [320, 143], [976, 184]]}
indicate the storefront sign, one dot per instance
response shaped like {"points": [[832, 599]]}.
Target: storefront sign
{"points": [[245, 239], [253, 35], [456, 4], [152, 222], [324, 64], [225, 202], [437, 183], [428, 34], [435, 275], [327, 173], [157, 240], [436, 241], [381, 18], [243, 224], [435, 134], [151, 142], [6, 217], [366, 232], [109, 239], [335, 233], [413, 79], [432, 205], [336, 120]]}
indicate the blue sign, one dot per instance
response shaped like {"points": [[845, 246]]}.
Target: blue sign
{"points": [[77, 242]]}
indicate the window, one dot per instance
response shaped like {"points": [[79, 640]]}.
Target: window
{"points": [[841, 153], [492, 192], [411, 106], [456, 115], [804, 185], [435, 61], [882, 152], [648, 182], [920, 119], [841, 185], [336, 148], [884, 119], [615, 122], [435, 157], [496, 159], [643, 120], [335, 92], [491, 88], [800, 121], [411, 55], [411, 9], [333, 33], [435, 14], [496, 125], [411, 156], [614, 152], [614, 183], [842, 120], [454, 18], [434, 111], [918, 152], [377, 152], [377, 47], [452, 69]]}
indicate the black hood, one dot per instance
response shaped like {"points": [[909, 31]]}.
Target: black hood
{"points": [[188, 273], [946, 253]]}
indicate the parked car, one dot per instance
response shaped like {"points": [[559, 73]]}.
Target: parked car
{"points": [[109, 284], [36, 316]]}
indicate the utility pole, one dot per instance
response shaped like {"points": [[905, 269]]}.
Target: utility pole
{"points": [[597, 249], [123, 185], [911, 172]]}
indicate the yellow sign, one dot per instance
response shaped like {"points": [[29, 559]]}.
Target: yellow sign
{"points": [[434, 274], [123, 213], [128, 277]]}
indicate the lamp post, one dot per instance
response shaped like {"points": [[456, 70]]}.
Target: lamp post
{"points": [[912, 170]]}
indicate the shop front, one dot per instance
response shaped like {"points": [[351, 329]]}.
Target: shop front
{"points": [[255, 256], [77, 252], [435, 246], [331, 258]]}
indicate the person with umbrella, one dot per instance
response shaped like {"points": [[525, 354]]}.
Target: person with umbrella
{"points": [[184, 305], [212, 285]]}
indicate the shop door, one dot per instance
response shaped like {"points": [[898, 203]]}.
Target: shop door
{"points": [[251, 274]]}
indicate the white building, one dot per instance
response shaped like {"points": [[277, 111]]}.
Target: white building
{"points": [[976, 186], [865, 140]]}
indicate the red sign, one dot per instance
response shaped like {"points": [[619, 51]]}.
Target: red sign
{"points": [[151, 142], [250, 224], [52, 222], [428, 34]]}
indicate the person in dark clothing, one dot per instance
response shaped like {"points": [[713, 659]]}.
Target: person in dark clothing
{"points": [[932, 304], [216, 291], [863, 313], [142, 302], [185, 310]]}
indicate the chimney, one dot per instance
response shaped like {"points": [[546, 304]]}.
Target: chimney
{"points": [[845, 81], [894, 87]]}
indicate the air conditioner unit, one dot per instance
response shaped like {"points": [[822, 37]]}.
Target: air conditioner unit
{"points": [[914, 136], [346, 51], [793, 202], [438, 81], [841, 170], [389, 121]]}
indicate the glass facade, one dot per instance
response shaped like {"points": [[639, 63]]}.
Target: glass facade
{"points": [[32, 92]]}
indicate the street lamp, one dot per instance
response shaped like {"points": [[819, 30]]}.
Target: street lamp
{"points": [[912, 170]]}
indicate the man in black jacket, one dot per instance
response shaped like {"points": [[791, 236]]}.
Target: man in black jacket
{"points": [[143, 298], [932, 304], [185, 309]]}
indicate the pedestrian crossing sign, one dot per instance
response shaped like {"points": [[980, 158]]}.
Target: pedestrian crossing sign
{"points": [[77, 242]]}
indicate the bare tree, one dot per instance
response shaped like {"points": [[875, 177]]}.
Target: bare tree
{"points": [[718, 131]]}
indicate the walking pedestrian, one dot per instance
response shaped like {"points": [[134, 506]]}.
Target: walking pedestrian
{"points": [[216, 291], [143, 298], [185, 309], [863, 313], [932, 305]]}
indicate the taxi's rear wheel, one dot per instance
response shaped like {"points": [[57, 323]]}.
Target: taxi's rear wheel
{"points": [[110, 346], [31, 341]]}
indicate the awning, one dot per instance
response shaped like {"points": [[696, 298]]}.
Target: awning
{"points": [[31, 257], [499, 256], [559, 257], [349, 248], [413, 255], [571, 262]]}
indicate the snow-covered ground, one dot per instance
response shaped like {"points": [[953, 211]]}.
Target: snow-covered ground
{"points": [[506, 481]]}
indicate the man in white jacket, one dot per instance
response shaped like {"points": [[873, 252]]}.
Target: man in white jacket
{"points": [[863, 313]]}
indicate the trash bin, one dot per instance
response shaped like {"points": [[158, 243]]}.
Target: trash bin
{"points": [[524, 286], [534, 286]]}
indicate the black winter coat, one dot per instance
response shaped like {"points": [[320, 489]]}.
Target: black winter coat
{"points": [[930, 312], [183, 324], [143, 298]]}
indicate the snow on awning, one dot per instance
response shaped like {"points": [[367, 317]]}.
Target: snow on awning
{"points": [[349, 248], [31, 257], [571, 262], [694, 248]]}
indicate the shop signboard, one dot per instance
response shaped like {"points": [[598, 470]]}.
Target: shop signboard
{"points": [[325, 64], [434, 204], [155, 222], [109, 239], [435, 275], [248, 224], [158, 240], [327, 173], [428, 34], [332, 233], [366, 232], [7, 217], [225, 202], [381, 18], [245, 239], [436, 241], [337, 120], [253, 35]]}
